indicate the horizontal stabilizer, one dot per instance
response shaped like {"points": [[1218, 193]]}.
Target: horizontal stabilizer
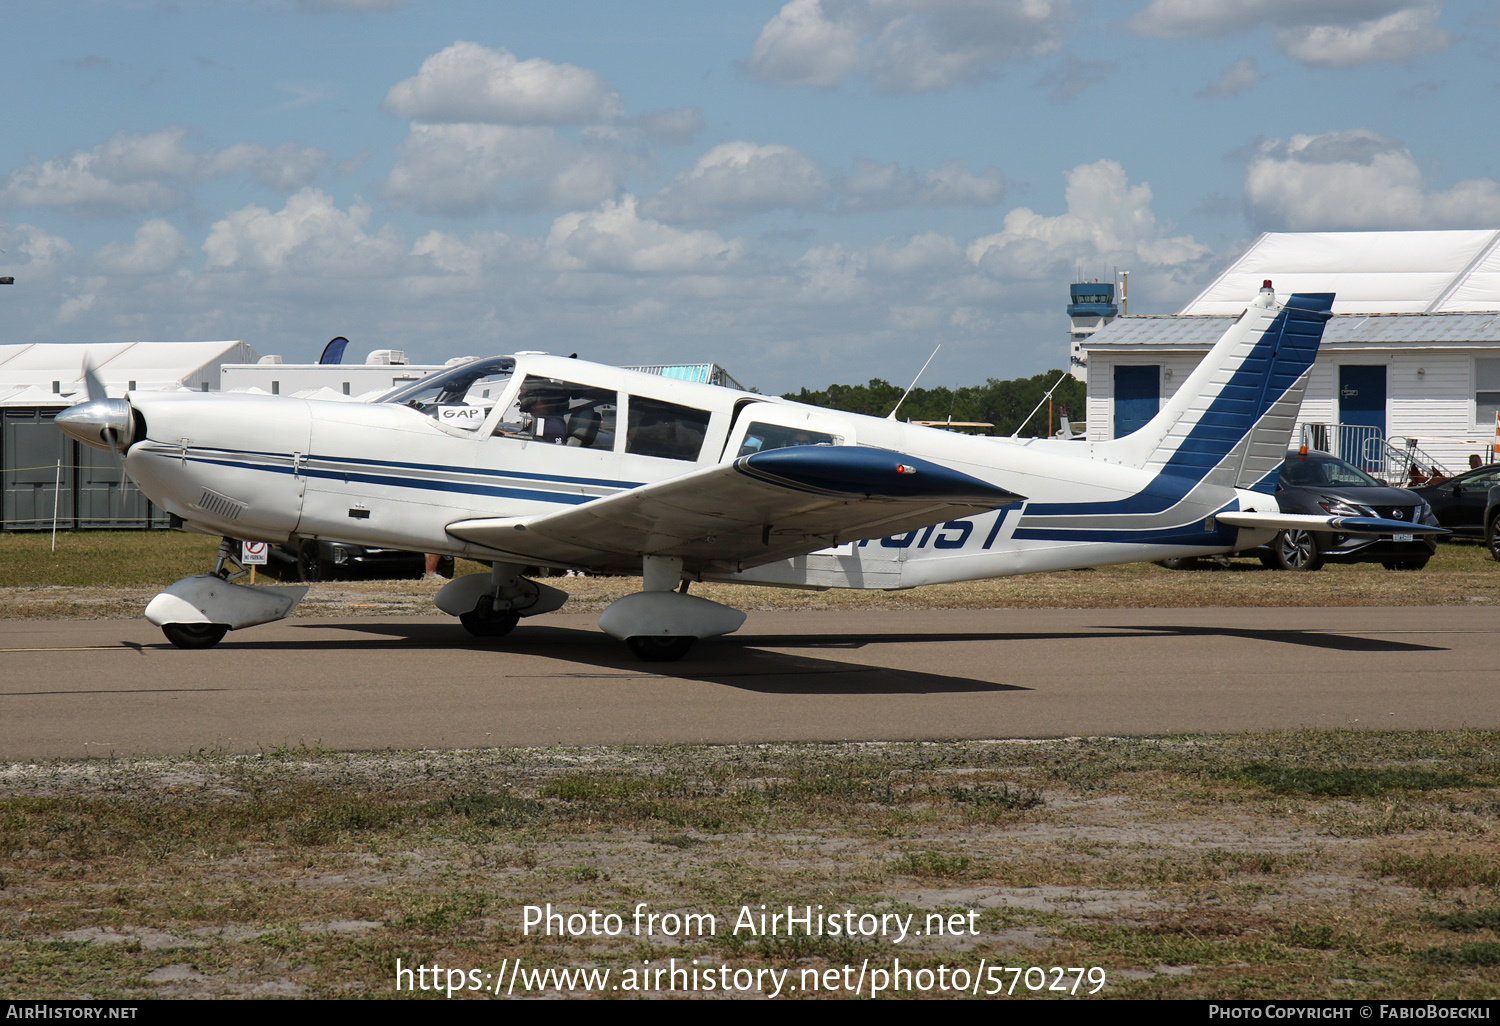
{"points": [[1343, 525]]}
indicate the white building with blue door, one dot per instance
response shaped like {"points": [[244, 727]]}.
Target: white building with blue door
{"points": [[1411, 357]]}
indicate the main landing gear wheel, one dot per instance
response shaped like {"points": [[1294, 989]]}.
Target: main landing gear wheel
{"points": [[1297, 550], [195, 635], [484, 622], [660, 648]]}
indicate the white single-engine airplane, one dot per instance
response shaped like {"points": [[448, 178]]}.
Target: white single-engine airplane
{"points": [[534, 461]]}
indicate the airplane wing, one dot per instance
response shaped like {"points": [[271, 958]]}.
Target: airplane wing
{"points": [[756, 509], [1343, 525]]}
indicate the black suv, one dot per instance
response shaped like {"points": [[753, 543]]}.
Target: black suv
{"points": [[1324, 485]]}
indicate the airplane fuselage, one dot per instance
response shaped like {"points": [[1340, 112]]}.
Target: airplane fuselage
{"points": [[385, 474]]}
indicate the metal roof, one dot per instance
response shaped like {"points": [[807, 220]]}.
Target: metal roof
{"points": [[1434, 329], [1370, 272]]}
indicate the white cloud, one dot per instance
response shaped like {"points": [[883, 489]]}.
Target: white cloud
{"points": [[308, 235], [1108, 221], [149, 171], [156, 247], [285, 169], [1357, 179], [906, 46], [1326, 33], [39, 248], [738, 178], [615, 238], [804, 46], [874, 186], [471, 83], [1240, 76], [464, 169], [1399, 36], [921, 254], [72, 309]]}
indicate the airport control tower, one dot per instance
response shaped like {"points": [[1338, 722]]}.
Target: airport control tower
{"points": [[1092, 306]]}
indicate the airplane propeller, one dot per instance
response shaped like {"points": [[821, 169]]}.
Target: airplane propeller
{"points": [[99, 421]]}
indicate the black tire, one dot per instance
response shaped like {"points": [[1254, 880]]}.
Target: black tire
{"points": [[484, 622], [311, 566], [1179, 563], [1492, 537], [1297, 550], [195, 635], [660, 649]]}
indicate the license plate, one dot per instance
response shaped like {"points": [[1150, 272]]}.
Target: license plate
{"points": [[1403, 537]]}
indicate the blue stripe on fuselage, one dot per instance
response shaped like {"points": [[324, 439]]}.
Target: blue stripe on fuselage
{"points": [[406, 481]]}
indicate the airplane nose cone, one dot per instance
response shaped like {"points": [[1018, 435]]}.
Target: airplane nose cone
{"points": [[101, 423]]}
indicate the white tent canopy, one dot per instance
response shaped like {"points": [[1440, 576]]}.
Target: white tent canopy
{"points": [[1371, 272], [148, 365]]}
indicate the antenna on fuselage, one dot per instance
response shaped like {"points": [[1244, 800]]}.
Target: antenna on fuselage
{"points": [[892, 414], [1038, 406]]}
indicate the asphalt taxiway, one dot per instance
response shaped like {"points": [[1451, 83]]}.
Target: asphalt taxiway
{"points": [[95, 688]]}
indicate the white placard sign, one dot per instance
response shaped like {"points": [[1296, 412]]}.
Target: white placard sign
{"points": [[254, 554], [461, 416]]}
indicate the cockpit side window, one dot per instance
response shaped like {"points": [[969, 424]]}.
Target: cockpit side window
{"points": [[459, 396], [665, 429], [760, 437], [561, 413]]}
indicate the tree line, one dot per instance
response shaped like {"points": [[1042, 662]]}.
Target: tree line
{"points": [[1001, 403]]}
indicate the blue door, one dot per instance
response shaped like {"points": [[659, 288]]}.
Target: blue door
{"points": [[1362, 412], [1137, 397]]}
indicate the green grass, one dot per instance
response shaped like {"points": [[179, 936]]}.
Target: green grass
{"points": [[311, 872], [112, 574]]}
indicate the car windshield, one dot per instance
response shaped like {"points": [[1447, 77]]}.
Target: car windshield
{"points": [[1323, 470]]}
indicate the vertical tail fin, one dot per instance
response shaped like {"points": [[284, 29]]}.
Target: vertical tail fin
{"points": [[1231, 421]]}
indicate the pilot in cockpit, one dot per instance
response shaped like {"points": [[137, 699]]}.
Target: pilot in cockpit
{"points": [[547, 413]]}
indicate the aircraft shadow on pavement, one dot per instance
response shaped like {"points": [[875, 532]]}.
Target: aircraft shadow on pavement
{"points": [[752, 662], [729, 661]]}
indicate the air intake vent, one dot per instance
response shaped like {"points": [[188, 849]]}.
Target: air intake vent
{"points": [[221, 506]]}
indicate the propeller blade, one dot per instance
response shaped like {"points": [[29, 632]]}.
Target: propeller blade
{"points": [[93, 387]]}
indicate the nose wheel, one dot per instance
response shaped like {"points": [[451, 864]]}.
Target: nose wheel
{"points": [[658, 648], [195, 635]]}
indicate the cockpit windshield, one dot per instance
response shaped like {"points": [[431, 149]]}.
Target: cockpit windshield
{"points": [[460, 396]]}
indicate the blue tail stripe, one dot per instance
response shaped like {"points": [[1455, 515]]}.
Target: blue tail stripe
{"points": [[1284, 352]]}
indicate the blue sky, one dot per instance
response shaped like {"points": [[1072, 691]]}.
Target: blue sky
{"points": [[807, 192]]}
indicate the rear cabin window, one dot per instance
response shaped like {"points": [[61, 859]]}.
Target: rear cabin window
{"points": [[761, 437], [665, 429], [561, 413]]}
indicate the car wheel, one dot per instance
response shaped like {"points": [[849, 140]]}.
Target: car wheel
{"points": [[311, 566], [1410, 564], [1179, 563], [1298, 550], [195, 635], [658, 649], [1492, 537], [485, 622]]}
